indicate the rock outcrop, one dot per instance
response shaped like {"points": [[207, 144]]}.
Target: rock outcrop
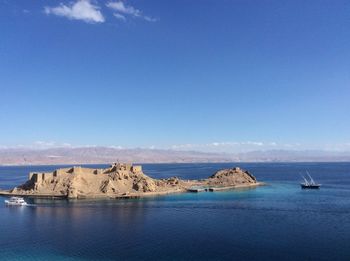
{"points": [[231, 177], [120, 180]]}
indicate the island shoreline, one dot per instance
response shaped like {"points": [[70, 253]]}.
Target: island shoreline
{"points": [[123, 181]]}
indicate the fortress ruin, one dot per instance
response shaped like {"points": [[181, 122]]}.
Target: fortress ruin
{"points": [[122, 168]]}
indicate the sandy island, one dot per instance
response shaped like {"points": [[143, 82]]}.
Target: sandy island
{"points": [[123, 181]]}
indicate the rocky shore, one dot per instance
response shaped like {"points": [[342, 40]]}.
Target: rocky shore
{"points": [[122, 181]]}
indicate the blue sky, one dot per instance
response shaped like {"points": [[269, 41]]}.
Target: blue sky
{"points": [[207, 75]]}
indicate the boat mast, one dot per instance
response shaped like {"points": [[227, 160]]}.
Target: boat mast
{"points": [[305, 180], [311, 179]]}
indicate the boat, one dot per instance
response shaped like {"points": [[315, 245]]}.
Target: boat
{"points": [[16, 201], [309, 184]]}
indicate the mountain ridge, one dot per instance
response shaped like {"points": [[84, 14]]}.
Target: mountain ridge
{"points": [[100, 155]]}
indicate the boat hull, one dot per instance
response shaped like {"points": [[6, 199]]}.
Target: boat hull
{"points": [[15, 204], [310, 186], [15, 201]]}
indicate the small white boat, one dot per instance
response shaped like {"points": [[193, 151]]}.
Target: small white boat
{"points": [[16, 201]]}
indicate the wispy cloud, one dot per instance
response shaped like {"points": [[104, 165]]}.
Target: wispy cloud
{"points": [[39, 145], [121, 10], [116, 147], [233, 146], [227, 147], [119, 17], [150, 19], [80, 10], [120, 7], [246, 146], [49, 144]]}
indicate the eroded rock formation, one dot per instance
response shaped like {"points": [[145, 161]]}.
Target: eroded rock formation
{"points": [[231, 177], [120, 180]]}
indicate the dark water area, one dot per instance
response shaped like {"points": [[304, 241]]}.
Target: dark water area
{"points": [[278, 221]]}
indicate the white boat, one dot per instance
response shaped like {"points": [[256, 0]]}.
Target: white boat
{"points": [[16, 201]]}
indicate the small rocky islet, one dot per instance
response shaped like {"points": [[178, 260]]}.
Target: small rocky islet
{"points": [[123, 181]]}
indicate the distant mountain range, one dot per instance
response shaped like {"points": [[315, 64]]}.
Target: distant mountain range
{"points": [[12, 156]]}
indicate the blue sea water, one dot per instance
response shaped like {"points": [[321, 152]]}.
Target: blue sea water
{"points": [[278, 221]]}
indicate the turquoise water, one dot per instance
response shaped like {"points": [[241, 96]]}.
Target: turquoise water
{"points": [[276, 222]]}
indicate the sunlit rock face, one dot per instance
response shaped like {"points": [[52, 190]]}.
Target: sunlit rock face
{"points": [[120, 180], [234, 176], [78, 182]]}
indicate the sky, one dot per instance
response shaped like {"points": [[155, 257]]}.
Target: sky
{"points": [[211, 75]]}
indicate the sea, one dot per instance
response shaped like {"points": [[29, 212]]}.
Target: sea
{"points": [[278, 221]]}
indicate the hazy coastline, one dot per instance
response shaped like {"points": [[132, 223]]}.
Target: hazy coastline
{"points": [[104, 155]]}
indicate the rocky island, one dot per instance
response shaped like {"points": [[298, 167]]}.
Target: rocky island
{"points": [[123, 181]]}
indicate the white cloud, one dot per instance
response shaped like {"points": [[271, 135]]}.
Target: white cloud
{"points": [[254, 143], [119, 16], [49, 144], [121, 10], [120, 7], [116, 147], [150, 19], [80, 10], [54, 156], [44, 143], [228, 146]]}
